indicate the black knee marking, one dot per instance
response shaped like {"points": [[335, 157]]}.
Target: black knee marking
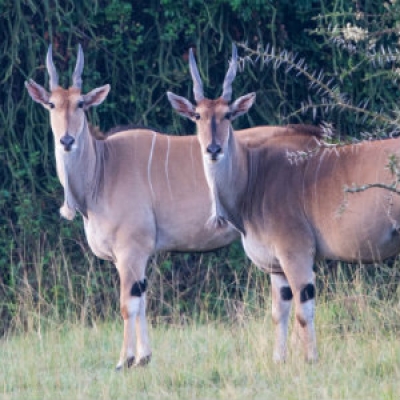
{"points": [[286, 293], [307, 293], [139, 287]]}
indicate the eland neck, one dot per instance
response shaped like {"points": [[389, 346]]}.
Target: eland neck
{"points": [[227, 180], [78, 170]]}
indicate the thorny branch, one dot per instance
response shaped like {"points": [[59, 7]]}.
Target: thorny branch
{"points": [[326, 87]]}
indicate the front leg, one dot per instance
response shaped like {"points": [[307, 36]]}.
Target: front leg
{"points": [[297, 264], [135, 348], [303, 335], [305, 312], [281, 305], [143, 352]]}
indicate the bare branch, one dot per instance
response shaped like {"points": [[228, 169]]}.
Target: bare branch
{"points": [[357, 189]]}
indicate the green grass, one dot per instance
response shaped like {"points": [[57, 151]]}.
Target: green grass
{"points": [[359, 359]]}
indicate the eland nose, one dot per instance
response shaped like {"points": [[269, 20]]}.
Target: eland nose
{"points": [[67, 141], [214, 149]]}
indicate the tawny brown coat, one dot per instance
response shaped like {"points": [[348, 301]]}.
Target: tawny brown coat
{"points": [[291, 213]]}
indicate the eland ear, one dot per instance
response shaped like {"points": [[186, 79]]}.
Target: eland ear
{"points": [[37, 92], [242, 105], [95, 96], [182, 105]]}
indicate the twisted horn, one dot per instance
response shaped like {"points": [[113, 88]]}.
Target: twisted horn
{"points": [[197, 84], [77, 75], [230, 76], [51, 69]]}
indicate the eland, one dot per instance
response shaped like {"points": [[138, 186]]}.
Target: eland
{"points": [[290, 214], [138, 192]]}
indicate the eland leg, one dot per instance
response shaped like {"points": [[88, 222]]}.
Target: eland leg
{"points": [[281, 305], [297, 337], [133, 311], [143, 352], [297, 264], [304, 329]]}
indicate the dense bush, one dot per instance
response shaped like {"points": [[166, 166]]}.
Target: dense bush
{"points": [[140, 47]]}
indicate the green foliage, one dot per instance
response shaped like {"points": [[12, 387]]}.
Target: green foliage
{"points": [[349, 64]]}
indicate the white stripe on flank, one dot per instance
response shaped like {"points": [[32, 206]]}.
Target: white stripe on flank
{"points": [[153, 142], [191, 156], [321, 157], [166, 167], [193, 165]]}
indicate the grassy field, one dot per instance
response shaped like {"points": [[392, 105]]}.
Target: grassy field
{"points": [[359, 344]]}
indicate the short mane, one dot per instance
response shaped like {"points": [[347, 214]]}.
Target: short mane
{"points": [[309, 130]]}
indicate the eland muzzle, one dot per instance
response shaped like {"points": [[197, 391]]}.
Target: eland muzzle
{"points": [[67, 141], [214, 150]]}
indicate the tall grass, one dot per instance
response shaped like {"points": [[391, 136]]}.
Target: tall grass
{"points": [[219, 345], [57, 287], [359, 359]]}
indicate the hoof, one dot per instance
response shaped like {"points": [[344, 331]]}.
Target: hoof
{"points": [[312, 360], [279, 360], [129, 362], [143, 361], [279, 357]]}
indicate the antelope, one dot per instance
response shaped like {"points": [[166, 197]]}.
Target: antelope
{"points": [[290, 215], [138, 191]]}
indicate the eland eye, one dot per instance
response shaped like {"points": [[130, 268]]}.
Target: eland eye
{"points": [[196, 116], [51, 105], [81, 103]]}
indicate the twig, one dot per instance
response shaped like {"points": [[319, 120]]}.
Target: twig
{"points": [[356, 189]]}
